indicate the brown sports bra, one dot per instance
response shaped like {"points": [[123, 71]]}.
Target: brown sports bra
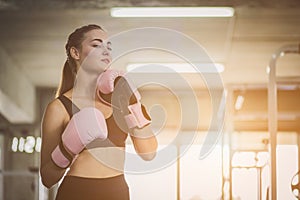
{"points": [[116, 137]]}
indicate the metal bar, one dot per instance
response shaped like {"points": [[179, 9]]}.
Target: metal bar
{"points": [[222, 158], [287, 80], [18, 173], [178, 172], [273, 111], [259, 190], [230, 132], [298, 144], [230, 169]]}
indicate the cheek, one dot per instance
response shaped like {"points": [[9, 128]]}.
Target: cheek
{"points": [[91, 59], [86, 52], [95, 54]]}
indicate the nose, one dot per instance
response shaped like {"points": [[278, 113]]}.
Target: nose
{"points": [[105, 51]]}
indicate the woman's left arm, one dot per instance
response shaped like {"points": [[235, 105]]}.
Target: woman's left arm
{"points": [[144, 141]]}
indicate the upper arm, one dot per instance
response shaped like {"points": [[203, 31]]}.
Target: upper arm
{"points": [[52, 127], [53, 124]]}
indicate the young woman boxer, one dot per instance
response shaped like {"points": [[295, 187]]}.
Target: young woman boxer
{"points": [[79, 116]]}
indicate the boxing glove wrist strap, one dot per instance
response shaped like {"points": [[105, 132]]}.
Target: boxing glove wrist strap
{"points": [[138, 116], [64, 151], [61, 157]]}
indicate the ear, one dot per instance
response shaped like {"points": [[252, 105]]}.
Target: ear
{"points": [[74, 53]]}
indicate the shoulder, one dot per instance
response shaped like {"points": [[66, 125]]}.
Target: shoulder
{"points": [[55, 106], [55, 113]]}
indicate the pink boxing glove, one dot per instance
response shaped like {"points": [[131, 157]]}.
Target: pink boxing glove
{"points": [[106, 80], [105, 85], [84, 127], [114, 89]]}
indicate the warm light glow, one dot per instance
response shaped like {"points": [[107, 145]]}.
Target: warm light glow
{"points": [[268, 69], [239, 102], [27, 145], [21, 144], [14, 145], [38, 144], [175, 67], [172, 12], [244, 159]]}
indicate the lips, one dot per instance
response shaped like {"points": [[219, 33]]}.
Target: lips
{"points": [[106, 60]]}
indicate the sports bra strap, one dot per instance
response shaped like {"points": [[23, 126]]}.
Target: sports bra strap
{"points": [[70, 107]]}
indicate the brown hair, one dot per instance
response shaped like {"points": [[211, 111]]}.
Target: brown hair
{"points": [[69, 70]]}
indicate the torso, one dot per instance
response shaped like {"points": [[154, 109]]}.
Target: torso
{"points": [[100, 159]]}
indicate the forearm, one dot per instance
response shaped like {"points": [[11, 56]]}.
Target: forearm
{"points": [[51, 174], [145, 142]]}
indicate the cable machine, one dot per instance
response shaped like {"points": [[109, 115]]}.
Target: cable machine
{"points": [[273, 109]]}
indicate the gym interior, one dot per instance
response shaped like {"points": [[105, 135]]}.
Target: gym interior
{"points": [[225, 107]]}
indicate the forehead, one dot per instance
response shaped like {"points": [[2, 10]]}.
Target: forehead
{"points": [[95, 34]]}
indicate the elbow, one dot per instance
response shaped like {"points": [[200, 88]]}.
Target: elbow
{"points": [[46, 183], [148, 156], [46, 180], [151, 154]]}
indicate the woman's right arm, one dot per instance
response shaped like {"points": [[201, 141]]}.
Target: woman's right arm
{"points": [[53, 124]]}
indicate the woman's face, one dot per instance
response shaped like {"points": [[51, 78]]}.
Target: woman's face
{"points": [[95, 53]]}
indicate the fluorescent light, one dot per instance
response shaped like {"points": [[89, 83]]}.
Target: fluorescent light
{"points": [[172, 12], [175, 67]]}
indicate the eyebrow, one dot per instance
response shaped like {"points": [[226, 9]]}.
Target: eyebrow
{"points": [[99, 40]]}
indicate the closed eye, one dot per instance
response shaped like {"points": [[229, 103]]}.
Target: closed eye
{"points": [[97, 42], [97, 45]]}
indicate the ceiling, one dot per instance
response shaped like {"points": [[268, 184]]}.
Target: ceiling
{"points": [[79, 4], [34, 32]]}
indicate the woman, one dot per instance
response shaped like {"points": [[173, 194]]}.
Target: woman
{"points": [[88, 56]]}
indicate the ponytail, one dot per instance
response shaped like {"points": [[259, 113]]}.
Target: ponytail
{"points": [[67, 80]]}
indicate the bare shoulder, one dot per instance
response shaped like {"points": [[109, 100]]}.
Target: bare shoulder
{"points": [[55, 113], [56, 107]]}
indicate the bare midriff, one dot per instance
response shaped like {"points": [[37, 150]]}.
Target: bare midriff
{"points": [[99, 163]]}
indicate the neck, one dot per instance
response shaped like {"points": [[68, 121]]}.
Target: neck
{"points": [[84, 91]]}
